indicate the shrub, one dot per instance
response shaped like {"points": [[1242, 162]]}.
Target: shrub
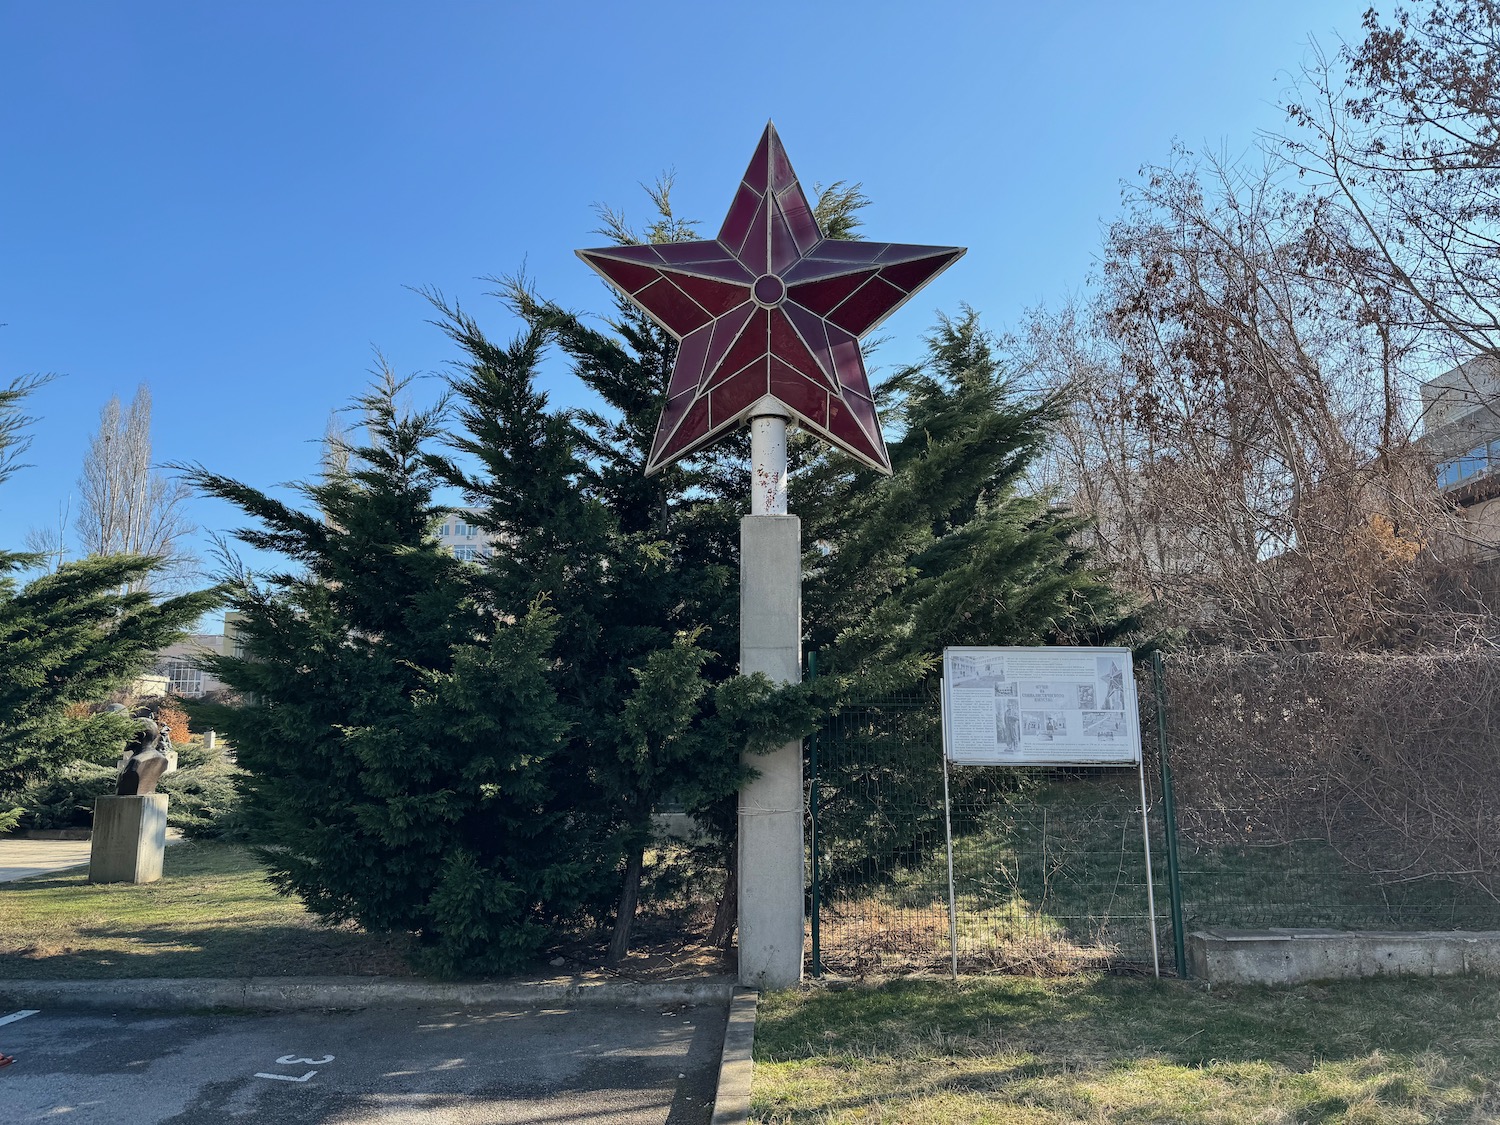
{"points": [[204, 794], [66, 799], [169, 713]]}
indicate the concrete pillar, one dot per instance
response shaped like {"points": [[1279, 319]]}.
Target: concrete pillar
{"points": [[771, 857], [130, 834]]}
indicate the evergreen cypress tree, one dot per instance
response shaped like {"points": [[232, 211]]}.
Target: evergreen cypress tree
{"points": [[951, 549], [69, 637], [640, 575], [396, 731]]}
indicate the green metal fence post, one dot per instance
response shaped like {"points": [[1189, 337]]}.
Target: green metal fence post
{"points": [[812, 801], [1169, 812]]}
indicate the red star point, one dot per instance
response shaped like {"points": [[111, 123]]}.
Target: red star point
{"points": [[770, 308]]}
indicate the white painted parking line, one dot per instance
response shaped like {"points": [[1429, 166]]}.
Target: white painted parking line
{"points": [[21, 1015], [285, 1077]]}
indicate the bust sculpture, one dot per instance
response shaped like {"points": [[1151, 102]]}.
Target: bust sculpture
{"points": [[145, 761]]}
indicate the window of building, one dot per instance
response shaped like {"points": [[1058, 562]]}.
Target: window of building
{"points": [[184, 677], [1475, 463], [465, 553]]}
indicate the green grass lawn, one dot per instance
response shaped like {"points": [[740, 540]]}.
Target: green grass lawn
{"points": [[1118, 1049], [214, 915]]}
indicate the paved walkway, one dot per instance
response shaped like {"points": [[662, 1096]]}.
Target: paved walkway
{"points": [[21, 859]]}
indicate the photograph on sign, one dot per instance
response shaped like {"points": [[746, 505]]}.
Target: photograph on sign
{"points": [[1039, 707]]}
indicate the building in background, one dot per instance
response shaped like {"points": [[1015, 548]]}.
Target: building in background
{"points": [[463, 538], [179, 667], [1461, 430]]}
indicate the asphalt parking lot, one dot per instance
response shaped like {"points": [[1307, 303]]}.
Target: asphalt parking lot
{"points": [[429, 1065]]}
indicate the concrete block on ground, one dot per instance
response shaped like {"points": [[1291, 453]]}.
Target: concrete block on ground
{"points": [[130, 834], [1287, 956]]}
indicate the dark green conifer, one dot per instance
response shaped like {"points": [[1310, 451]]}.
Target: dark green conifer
{"points": [[641, 575], [396, 731], [606, 622]]}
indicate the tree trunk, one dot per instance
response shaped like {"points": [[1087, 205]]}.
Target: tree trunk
{"points": [[726, 915], [619, 945]]}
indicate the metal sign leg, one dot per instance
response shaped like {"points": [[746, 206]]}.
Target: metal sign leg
{"points": [[952, 902], [1150, 888]]}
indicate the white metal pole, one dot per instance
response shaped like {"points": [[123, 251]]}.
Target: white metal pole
{"points": [[952, 902], [768, 473], [1150, 888]]}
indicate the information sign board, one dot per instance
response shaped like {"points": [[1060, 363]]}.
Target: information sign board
{"points": [[1039, 707]]}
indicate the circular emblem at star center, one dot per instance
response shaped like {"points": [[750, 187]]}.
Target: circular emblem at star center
{"points": [[768, 290]]}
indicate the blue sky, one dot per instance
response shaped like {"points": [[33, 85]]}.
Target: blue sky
{"points": [[231, 201]]}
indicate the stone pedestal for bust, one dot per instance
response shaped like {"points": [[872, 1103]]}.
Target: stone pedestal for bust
{"points": [[130, 834]]}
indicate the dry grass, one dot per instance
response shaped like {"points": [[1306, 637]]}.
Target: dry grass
{"points": [[872, 937]]}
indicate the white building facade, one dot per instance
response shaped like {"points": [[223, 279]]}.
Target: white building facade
{"points": [[465, 539], [179, 667]]}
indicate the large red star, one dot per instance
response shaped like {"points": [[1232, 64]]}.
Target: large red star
{"points": [[770, 307]]}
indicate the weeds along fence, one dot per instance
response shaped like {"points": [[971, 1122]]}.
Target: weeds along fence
{"points": [[1311, 791]]}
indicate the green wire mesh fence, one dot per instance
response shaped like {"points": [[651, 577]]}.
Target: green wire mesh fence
{"points": [[1338, 792], [1342, 792], [1049, 868]]}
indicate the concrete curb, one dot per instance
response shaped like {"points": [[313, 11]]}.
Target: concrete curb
{"points": [[53, 834], [737, 1064], [1295, 956], [282, 994]]}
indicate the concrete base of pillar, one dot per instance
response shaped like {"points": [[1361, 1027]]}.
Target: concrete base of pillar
{"points": [[130, 834], [771, 856]]}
